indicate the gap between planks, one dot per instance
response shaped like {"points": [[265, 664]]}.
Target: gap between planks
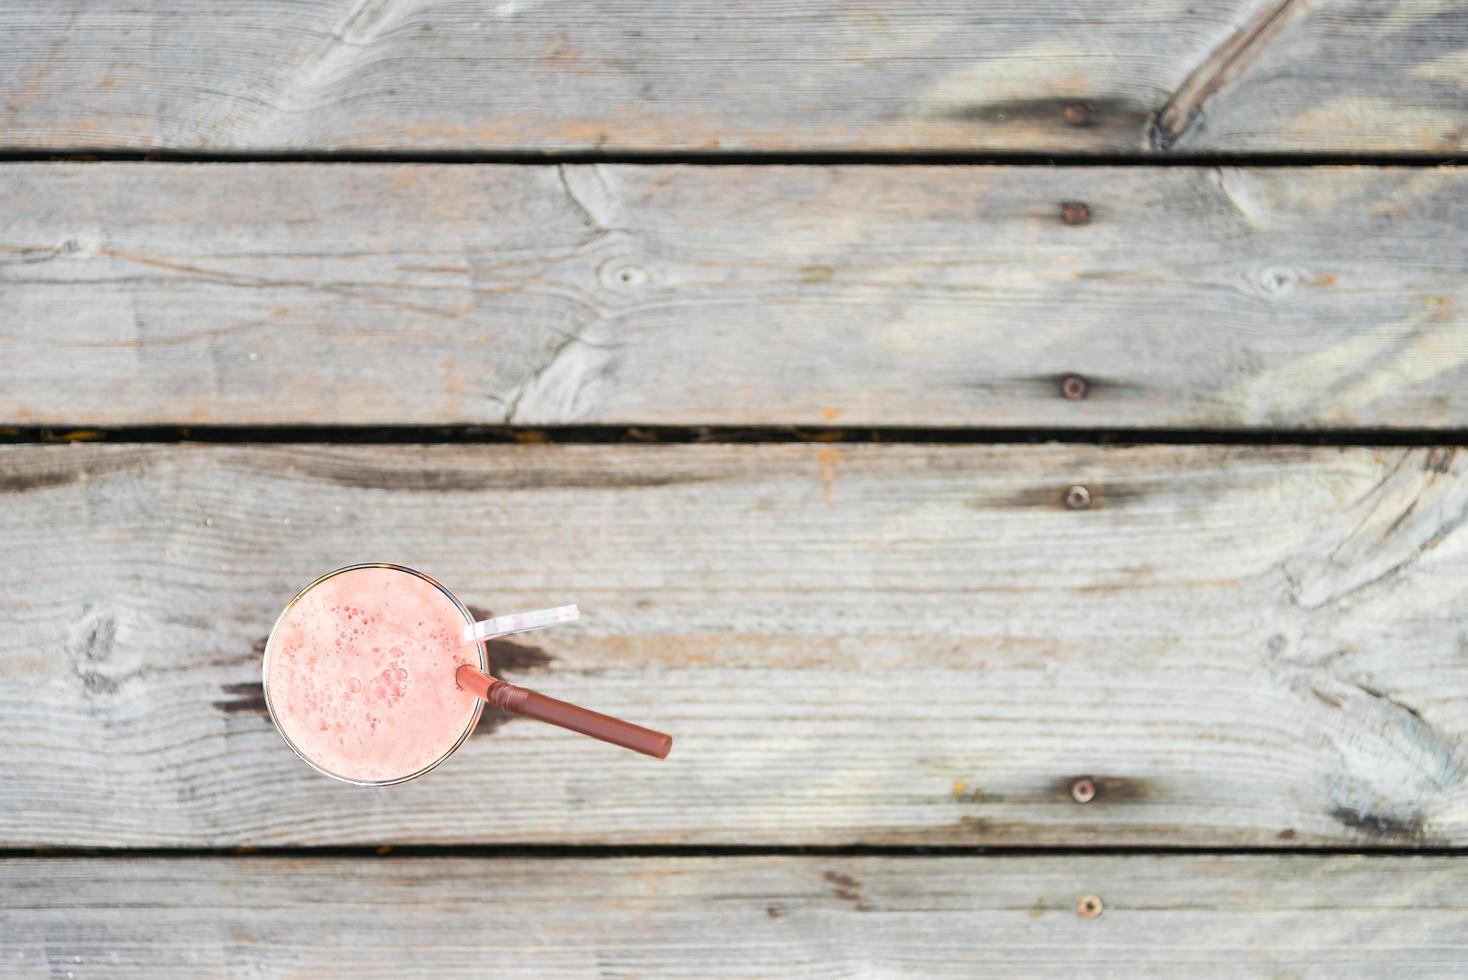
{"points": [[1174, 160], [613, 852], [82, 432]]}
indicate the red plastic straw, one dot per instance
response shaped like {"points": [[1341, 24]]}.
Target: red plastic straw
{"points": [[532, 704]]}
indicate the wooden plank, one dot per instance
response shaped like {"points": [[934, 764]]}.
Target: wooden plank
{"points": [[851, 643], [1143, 76], [750, 916], [925, 296]]}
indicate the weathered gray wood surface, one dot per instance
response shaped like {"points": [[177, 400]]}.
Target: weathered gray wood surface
{"points": [[851, 643], [267, 294], [1053, 75], [1325, 917]]}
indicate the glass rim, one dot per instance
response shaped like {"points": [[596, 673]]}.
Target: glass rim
{"points": [[270, 647]]}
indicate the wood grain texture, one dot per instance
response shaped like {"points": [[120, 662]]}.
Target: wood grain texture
{"points": [[1324, 917], [1142, 76], [850, 643], [135, 294]]}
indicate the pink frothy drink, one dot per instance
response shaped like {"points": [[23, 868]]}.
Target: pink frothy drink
{"points": [[375, 674], [360, 674]]}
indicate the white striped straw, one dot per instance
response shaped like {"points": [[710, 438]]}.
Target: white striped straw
{"points": [[488, 629]]}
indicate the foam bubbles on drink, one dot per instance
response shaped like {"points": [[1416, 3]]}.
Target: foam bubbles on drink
{"points": [[364, 686]]}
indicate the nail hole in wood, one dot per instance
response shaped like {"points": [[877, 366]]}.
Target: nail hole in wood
{"points": [[1074, 213]]}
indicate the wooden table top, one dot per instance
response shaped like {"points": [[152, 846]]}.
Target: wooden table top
{"points": [[1017, 450]]}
